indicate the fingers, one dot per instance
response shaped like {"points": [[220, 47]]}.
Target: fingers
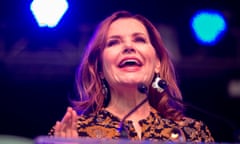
{"points": [[67, 117], [68, 126], [58, 130], [74, 124]]}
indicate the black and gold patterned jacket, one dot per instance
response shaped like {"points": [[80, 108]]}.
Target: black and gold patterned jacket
{"points": [[154, 127]]}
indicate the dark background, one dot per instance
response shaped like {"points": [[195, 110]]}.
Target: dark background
{"points": [[37, 65]]}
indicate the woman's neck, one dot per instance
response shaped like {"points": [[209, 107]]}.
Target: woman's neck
{"points": [[122, 102]]}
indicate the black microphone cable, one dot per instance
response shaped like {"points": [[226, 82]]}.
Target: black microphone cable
{"points": [[142, 88]]}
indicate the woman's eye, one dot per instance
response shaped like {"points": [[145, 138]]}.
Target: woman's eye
{"points": [[112, 43], [140, 39]]}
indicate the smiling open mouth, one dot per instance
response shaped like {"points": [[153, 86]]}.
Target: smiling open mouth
{"points": [[129, 62]]}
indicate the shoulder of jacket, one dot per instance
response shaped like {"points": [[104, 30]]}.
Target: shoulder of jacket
{"points": [[185, 121]]}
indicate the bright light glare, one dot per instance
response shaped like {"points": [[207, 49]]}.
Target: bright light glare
{"points": [[208, 26], [48, 12]]}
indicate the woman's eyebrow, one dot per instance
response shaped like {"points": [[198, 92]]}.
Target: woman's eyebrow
{"points": [[114, 37], [134, 34]]}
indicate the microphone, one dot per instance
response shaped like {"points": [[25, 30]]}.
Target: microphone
{"points": [[162, 86], [142, 88], [175, 135]]}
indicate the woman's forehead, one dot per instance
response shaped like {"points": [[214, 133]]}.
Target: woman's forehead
{"points": [[126, 26]]}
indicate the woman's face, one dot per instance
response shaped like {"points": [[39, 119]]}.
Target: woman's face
{"points": [[129, 57]]}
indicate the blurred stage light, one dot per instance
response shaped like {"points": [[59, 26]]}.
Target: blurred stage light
{"points": [[234, 88], [208, 26], [48, 12]]}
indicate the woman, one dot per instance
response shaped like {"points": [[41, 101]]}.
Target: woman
{"points": [[125, 51]]}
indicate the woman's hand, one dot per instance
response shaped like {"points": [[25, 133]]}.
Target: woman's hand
{"points": [[67, 127]]}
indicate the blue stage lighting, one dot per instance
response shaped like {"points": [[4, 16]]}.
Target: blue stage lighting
{"points": [[208, 26], [48, 12]]}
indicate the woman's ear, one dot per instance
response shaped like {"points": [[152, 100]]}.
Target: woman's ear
{"points": [[158, 66]]}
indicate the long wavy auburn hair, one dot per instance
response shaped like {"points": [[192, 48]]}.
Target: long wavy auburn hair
{"points": [[88, 81]]}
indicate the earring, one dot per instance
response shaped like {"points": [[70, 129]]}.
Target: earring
{"points": [[159, 84], [105, 92], [104, 87]]}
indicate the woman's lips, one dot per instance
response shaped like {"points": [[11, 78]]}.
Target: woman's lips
{"points": [[130, 62]]}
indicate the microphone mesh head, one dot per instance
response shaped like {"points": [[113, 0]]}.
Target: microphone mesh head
{"points": [[162, 84], [142, 88]]}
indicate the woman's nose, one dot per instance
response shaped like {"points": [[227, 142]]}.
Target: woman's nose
{"points": [[129, 48]]}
